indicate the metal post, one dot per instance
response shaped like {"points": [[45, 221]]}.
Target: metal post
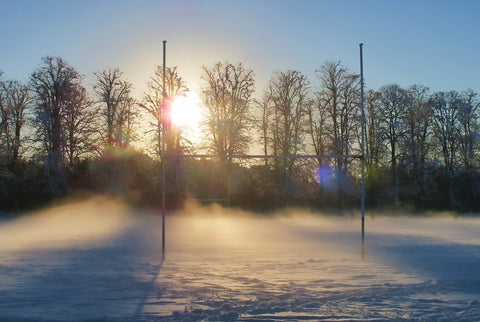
{"points": [[363, 151], [228, 189], [164, 181]]}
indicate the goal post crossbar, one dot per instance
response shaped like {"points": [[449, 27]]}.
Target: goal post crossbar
{"points": [[208, 199], [260, 156]]}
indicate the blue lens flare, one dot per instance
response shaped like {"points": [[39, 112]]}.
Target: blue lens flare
{"points": [[325, 177]]}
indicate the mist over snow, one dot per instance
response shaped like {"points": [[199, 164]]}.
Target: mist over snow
{"points": [[74, 224], [100, 259]]}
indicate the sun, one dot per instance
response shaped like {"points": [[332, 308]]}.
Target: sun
{"points": [[185, 111]]}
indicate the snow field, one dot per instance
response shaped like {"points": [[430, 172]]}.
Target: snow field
{"points": [[104, 263]]}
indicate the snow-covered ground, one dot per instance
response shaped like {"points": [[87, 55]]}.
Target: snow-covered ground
{"points": [[98, 261]]}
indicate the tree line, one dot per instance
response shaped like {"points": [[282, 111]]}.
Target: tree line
{"points": [[58, 138]]}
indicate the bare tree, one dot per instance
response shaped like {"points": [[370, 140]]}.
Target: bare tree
{"points": [[469, 127], [153, 99], [54, 84], [287, 98], [319, 129], [227, 96], [79, 126], [394, 101], [417, 124], [264, 125], [338, 94], [376, 155], [157, 102], [15, 100], [3, 109], [446, 108], [4, 155], [373, 137], [114, 96]]}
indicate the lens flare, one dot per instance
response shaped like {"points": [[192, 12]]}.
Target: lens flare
{"points": [[325, 177]]}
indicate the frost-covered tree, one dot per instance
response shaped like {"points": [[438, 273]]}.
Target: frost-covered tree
{"points": [[54, 84], [15, 100]]}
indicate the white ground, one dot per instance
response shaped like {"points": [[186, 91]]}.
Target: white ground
{"points": [[96, 261]]}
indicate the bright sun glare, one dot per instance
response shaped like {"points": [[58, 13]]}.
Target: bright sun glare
{"points": [[185, 111]]}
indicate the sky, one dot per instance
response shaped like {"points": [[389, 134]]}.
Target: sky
{"points": [[433, 43]]}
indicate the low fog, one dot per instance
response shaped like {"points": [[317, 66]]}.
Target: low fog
{"points": [[100, 219], [100, 258], [71, 224]]}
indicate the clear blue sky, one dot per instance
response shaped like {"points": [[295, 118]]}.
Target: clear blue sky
{"points": [[434, 43]]}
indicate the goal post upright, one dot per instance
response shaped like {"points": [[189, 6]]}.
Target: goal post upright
{"points": [[362, 149], [163, 165]]}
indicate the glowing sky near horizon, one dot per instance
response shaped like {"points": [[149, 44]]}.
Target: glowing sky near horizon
{"points": [[429, 42]]}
